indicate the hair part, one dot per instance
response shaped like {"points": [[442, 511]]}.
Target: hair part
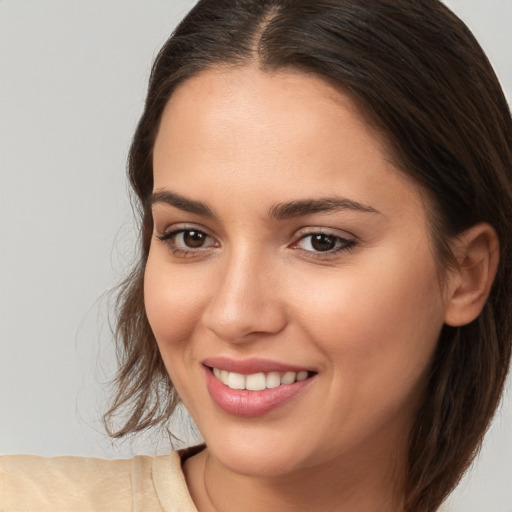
{"points": [[418, 75]]}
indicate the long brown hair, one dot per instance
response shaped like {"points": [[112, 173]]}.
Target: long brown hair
{"points": [[420, 77]]}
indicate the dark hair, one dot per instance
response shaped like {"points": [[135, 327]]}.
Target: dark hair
{"points": [[417, 73]]}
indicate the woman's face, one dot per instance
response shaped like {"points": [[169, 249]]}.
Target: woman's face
{"points": [[290, 255]]}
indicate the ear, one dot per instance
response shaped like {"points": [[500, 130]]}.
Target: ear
{"points": [[469, 284]]}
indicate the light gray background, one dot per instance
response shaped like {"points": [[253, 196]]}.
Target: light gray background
{"points": [[72, 84]]}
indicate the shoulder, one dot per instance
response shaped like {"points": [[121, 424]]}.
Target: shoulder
{"points": [[31, 483]]}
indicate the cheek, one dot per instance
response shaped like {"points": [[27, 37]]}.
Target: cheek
{"points": [[173, 302], [382, 319]]}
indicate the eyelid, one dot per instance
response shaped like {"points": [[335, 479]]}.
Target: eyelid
{"points": [[167, 236], [316, 230], [169, 229], [350, 241]]}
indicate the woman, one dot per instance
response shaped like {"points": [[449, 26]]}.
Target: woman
{"points": [[324, 278]]}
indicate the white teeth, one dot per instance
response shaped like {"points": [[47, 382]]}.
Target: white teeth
{"points": [[258, 381], [224, 376], [288, 378], [273, 380], [255, 382], [302, 376], [236, 381]]}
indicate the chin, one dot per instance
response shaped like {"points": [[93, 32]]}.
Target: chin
{"points": [[253, 464], [257, 455]]}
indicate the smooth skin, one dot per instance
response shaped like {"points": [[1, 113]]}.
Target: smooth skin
{"points": [[351, 291]]}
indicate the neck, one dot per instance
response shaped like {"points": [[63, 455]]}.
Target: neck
{"points": [[337, 487]]}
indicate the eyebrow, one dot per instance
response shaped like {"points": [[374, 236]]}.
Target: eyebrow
{"points": [[309, 206], [279, 211], [180, 202]]}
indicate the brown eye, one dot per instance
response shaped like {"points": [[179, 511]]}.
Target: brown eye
{"points": [[318, 243], [323, 243], [193, 239], [187, 241]]}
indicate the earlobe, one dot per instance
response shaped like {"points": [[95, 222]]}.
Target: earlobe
{"points": [[477, 255]]}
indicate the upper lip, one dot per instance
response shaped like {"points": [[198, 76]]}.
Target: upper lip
{"points": [[251, 365]]}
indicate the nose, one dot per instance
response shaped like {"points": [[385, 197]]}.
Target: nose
{"points": [[246, 303]]}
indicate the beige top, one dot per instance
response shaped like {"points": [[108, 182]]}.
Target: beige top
{"points": [[80, 484]]}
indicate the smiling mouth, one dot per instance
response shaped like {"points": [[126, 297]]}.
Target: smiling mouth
{"points": [[258, 386], [259, 381]]}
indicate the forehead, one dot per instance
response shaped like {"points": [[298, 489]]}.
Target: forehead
{"points": [[284, 131], [234, 96]]}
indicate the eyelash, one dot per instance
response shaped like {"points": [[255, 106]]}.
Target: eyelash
{"points": [[341, 244], [170, 236]]}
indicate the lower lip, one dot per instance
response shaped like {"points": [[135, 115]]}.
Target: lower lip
{"points": [[249, 404]]}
